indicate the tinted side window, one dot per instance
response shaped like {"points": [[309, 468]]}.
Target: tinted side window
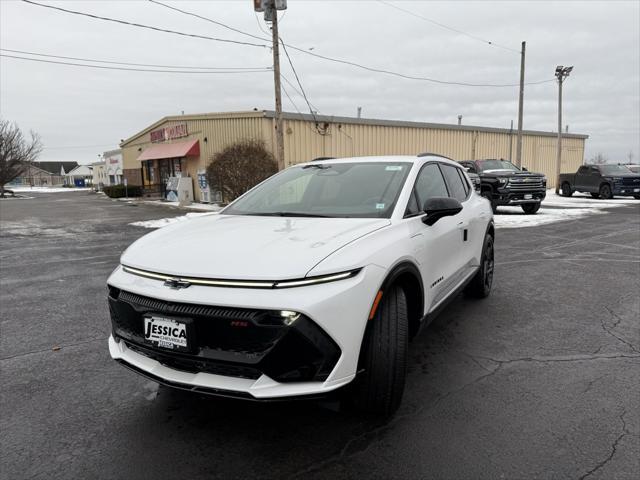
{"points": [[454, 182], [583, 170], [470, 165], [594, 171], [412, 206], [465, 184], [430, 184]]}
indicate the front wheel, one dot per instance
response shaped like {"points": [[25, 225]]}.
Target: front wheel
{"points": [[605, 192], [567, 191], [480, 284], [383, 359], [530, 208], [637, 197]]}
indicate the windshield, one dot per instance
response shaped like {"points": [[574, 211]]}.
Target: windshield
{"points": [[487, 165], [362, 189], [613, 169]]}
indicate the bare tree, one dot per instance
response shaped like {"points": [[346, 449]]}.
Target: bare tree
{"points": [[599, 159], [16, 152], [239, 167]]}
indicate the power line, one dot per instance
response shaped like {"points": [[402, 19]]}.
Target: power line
{"points": [[354, 64], [447, 27], [77, 146], [149, 27], [295, 73], [130, 64], [297, 91], [220, 24], [293, 47], [104, 67]]}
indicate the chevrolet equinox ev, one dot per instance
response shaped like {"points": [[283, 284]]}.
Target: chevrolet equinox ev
{"points": [[312, 282]]}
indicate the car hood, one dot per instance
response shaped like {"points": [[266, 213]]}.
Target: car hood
{"points": [[510, 173], [245, 247]]}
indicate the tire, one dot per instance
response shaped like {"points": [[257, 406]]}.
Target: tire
{"points": [[595, 195], [480, 284], [637, 197], [487, 194], [567, 191], [530, 208], [383, 359], [605, 192]]}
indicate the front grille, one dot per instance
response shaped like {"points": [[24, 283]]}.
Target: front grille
{"points": [[525, 184], [630, 182], [228, 341]]}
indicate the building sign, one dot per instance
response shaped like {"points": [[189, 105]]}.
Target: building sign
{"points": [[169, 133]]}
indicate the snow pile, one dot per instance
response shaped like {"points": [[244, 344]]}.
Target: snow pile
{"points": [[580, 200], [163, 222], [514, 217]]}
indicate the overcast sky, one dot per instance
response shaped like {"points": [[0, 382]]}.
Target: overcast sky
{"points": [[81, 112]]}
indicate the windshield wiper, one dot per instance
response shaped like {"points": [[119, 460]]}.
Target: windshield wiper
{"points": [[316, 165], [289, 214]]}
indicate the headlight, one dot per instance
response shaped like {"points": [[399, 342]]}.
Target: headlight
{"points": [[503, 180]]}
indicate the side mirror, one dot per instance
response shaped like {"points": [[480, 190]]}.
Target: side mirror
{"points": [[439, 207], [524, 169]]}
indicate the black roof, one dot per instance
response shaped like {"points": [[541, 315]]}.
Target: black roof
{"points": [[54, 167]]}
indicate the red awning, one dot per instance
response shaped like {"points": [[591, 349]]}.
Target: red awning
{"points": [[171, 150]]}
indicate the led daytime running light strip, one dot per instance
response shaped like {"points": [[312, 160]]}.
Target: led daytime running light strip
{"points": [[247, 284]]}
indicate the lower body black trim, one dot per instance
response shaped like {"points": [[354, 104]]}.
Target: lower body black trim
{"points": [[218, 392]]}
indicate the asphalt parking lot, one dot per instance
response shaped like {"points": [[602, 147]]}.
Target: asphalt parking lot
{"points": [[540, 380]]}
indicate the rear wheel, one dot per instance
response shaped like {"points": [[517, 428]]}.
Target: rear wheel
{"points": [[605, 192], [595, 195], [480, 284], [530, 208], [567, 191], [487, 194], [637, 197], [383, 359]]}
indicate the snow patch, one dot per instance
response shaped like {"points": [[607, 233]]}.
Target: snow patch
{"points": [[163, 222], [513, 217]]}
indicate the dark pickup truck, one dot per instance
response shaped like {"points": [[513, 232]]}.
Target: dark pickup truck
{"points": [[601, 181], [502, 183]]}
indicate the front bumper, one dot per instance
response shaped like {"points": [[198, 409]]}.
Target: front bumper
{"points": [[507, 197], [317, 354], [625, 191]]}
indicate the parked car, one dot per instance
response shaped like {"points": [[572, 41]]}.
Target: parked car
{"points": [[312, 282], [633, 167], [503, 183], [601, 181]]}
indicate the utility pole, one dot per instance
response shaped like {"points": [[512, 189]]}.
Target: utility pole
{"points": [[276, 82], [520, 107], [511, 142], [270, 9], [561, 74]]}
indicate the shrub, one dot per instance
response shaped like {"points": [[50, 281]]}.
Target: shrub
{"points": [[118, 191], [239, 167]]}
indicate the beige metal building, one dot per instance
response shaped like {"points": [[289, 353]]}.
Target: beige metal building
{"points": [[183, 145]]}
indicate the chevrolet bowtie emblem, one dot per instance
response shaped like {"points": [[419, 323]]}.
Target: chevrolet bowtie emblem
{"points": [[176, 283]]}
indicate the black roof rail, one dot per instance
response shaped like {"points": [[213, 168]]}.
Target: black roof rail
{"points": [[428, 154], [317, 159]]}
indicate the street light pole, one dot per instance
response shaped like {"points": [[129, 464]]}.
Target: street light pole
{"points": [[520, 107], [561, 74]]}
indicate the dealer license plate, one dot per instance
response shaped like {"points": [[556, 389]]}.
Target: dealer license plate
{"points": [[166, 333], [528, 196]]}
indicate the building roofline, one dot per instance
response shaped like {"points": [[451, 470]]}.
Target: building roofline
{"points": [[344, 120], [403, 123], [196, 116]]}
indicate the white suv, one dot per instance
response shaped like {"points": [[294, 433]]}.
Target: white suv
{"points": [[314, 280]]}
